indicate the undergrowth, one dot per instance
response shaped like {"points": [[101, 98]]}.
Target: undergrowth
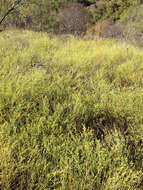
{"points": [[71, 113]]}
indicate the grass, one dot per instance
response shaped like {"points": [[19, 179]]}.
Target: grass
{"points": [[71, 113]]}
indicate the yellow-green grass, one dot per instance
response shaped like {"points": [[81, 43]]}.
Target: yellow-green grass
{"points": [[71, 113]]}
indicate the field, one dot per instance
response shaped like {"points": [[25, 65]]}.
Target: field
{"points": [[71, 113]]}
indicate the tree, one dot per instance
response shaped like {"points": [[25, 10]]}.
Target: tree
{"points": [[13, 7]]}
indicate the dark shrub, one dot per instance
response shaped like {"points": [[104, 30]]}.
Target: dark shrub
{"points": [[73, 19], [96, 11]]}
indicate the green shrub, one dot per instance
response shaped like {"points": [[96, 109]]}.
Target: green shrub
{"points": [[109, 10]]}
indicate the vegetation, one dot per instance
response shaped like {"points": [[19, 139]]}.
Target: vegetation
{"points": [[45, 15], [74, 19], [71, 113], [71, 107], [133, 24], [127, 28], [13, 7]]}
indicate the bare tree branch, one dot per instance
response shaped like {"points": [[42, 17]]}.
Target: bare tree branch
{"points": [[14, 7]]}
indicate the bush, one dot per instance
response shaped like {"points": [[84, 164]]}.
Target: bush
{"points": [[96, 11], [132, 20], [109, 10], [39, 16], [44, 16], [106, 29], [74, 19]]}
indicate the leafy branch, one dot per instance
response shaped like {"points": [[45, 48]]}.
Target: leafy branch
{"points": [[14, 6]]}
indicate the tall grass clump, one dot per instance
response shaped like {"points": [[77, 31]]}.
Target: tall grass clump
{"points": [[71, 113]]}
